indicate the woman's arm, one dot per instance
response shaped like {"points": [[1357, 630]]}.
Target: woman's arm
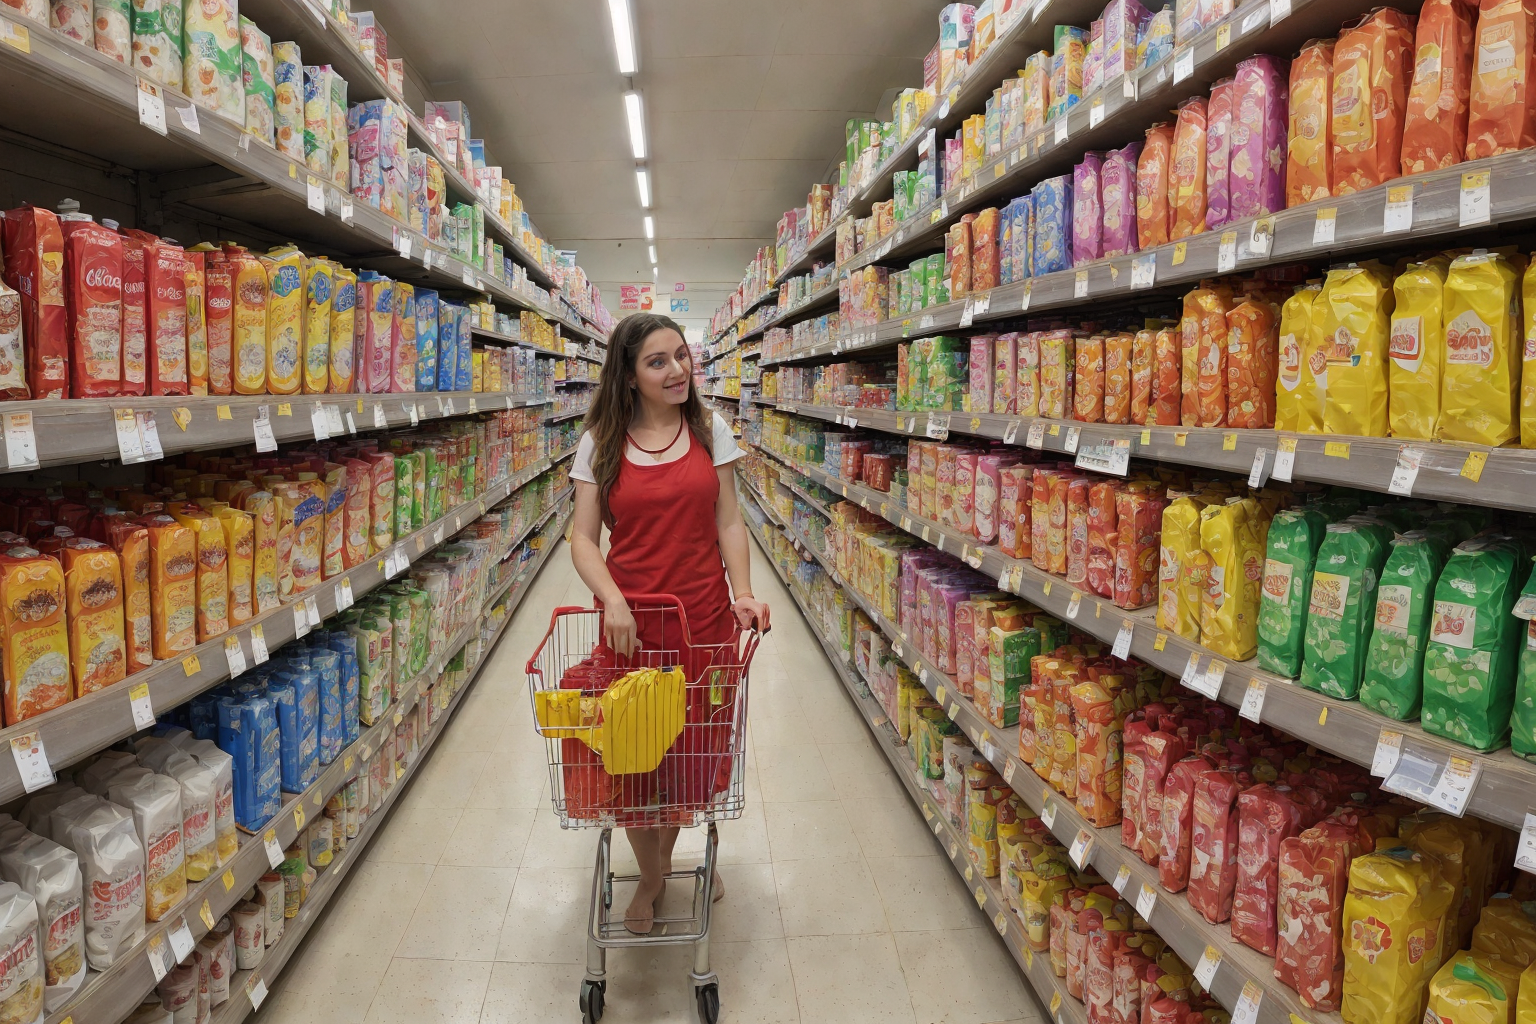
{"points": [[733, 548], [587, 556]]}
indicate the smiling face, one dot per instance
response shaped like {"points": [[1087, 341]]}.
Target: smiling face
{"points": [[664, 368]]}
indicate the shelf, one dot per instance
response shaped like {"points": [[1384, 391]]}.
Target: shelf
{"points": [[90, 723], [329, 880], [1506, 481], [507, 584], [1502, 792], [1172, 917], [561, 417], [507, 339], [822, 243]]}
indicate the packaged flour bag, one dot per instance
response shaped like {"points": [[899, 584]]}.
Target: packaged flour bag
{"points": [[1394, 662], [50, 873], [226, 838], [156, 805], [1342, 605], [112, 879], [21, 959], [1294, 537]]}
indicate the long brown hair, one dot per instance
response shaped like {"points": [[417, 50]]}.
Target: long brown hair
{"points": [[613, 407]]}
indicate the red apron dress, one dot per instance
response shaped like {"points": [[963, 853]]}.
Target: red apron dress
{"points": [[664, 540]]}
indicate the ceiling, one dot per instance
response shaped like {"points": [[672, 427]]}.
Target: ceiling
{"points": [[745, 104]]}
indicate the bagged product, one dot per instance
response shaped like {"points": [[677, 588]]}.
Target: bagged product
{"points": [[1435, 128], [319, 288], [1186, 170], [1342, 605], [1117, 186], [34, 639], [1313, 877], [93, 590], [218, 319], [34, 266], [1393, 935], [1294, 538], [1309, 152], [156, 805], [1087, 211], [1208, 307], [1501, 107], [1417, 347], [1088, 380], [1117, 378], [1474, 987], [317, 119], [111, 860], [1180, 546], [22, 983], [1229, 606], [1213, 844], [1394, 661], [343, 325], [114, 29], [248, 330], [1052, 202], [212, 570], [1267, 816], [195, 286], [1479, 389], [1153, 196], [172, 586], [285, 320], [132, 544], [93, 283], [1166, 381], [157, 41], [403, 357], [1252, 335], [212, 70], [1218, 146], [50, 874], [288, 106], [258, 74], [1372, 67], [1256, 164], [1354, 311]]}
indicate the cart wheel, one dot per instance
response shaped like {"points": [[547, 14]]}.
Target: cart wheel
{"points": [[709, 1003], [592, 1001]]}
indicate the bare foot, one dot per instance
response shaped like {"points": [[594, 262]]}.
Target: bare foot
{"points": [[719, 888], [641, 915]]}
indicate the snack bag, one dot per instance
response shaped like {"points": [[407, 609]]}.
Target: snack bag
{"points": [[1523, 717], [1088, 380], [1180, 547], [1207, 306], [1479, 393], [1435, 128], [1256, 165], [1472, 987], [1417, 348], [1213, 844], [1309, 147], [1117, 378], [1355, 307], [341, 374], [1266, 816], [1394, 661], [1343, 602], [248, 331], [1393, 935], [1173, 815], [93, 284], [1166, 384], [93, 590], [1290, 559], [1117, 184], [1051, 200], [1143, 359], [1313, 880], [1186, 174], [285, 319], [1152, 193], [172, 586], [34, 637], [1372, 66], [218, 318], [1229, 604], [1501, 107], [1469, 665], [1218, 146], [1087, 210], [1026, 395], [196, 283], [1251, 342], [319, 289]]}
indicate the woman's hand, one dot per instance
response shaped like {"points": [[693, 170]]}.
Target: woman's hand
{"points": [[619, 629], [748, 610]]}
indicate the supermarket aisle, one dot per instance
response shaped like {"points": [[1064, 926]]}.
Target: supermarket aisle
{"points": [[472, 905]]}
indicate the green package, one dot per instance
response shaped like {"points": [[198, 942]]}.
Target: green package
{"points": [[399, 603], [1394, 661], [1469, 666], [917, 372], [1523, 719], [404, 517], [1294, 537], [1053, 632], [1008, 670], [420, 513], [937, 285], [1342, 604], [421, 621], [375, 652]]}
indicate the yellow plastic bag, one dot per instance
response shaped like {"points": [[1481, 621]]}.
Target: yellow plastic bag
{"points": [[1356, 305], [1507, 930], [1417, 349], [1482, 354], [632, 725], [1472, 988], [1229, 604], [565, 714], [1178, 600], [1528, 362], [1392, 935], [1525, 1002], [1298, 404]]}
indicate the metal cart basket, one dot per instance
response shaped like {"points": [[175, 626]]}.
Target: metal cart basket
{"points": [[631, 748]]}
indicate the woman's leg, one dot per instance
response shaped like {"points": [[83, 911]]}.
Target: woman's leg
{"points": [[647, 844], [668, 841]]}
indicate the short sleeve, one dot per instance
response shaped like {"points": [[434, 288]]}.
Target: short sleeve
{"points": [[581, 466], [726, 448]]}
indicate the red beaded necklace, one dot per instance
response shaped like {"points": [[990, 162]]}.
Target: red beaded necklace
{"points": [[681, 422]]}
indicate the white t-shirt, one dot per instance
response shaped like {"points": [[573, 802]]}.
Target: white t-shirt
{"points": [[726, 451]]}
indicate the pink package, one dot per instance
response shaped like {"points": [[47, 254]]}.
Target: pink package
{"points": [[1260, 99], [1093, 59], [1117, 190], [981, 372], [965, 647], [915, 474], [948, 598], [988, 487], [1218, 158], [924, 634], [1026, 392], [1087, 216], [954, 158], [1123, 21], [374, 334], [1004, 371], [964, 492]]}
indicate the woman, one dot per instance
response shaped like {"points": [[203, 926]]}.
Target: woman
{"points": [[656, 471]]}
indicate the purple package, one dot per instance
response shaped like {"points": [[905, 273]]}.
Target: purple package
{"points": [[1023, 254], [1123, 23], [1093, 59], [1117, 188], [954, 159], [1218, 143], [1260, 99], [1087, 216], [949, 596], [367, 170]]}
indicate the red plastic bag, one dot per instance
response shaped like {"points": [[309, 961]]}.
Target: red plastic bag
{"points": [[1267, 815], [1163, 751], [1175, 824], [1213, 843], [1313, 878]]}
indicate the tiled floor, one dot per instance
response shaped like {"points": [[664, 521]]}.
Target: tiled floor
{"points": [[471, 904]]}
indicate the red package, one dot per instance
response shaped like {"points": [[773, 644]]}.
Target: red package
{"points": [[1162, 751], [1125, 1007], [219, 312], [1062, 911], [165, 314], [1175, 820], [1266, 815], [34, 266], [195, 271], [1133, 771], [1138, 540], [984, 250], [1077, 529], [1213, 843], [1099, 972], [1313, 878], [135, 316], [1167, 377], [93, 283], [1102, 538], [1079, 926], [1088, 385]]}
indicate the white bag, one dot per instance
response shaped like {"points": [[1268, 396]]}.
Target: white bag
{"points": [[155, 801], [97, 776], [21, 979], [34, 814], [112, 880], [51, 874], [223, 766], [198, 789]]}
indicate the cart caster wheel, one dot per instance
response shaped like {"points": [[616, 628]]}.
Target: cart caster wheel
{"points": [[592, 1001], [709, 1003]]}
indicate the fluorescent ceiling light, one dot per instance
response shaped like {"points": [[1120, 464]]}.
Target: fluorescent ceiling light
{"points": [[643, 179], [636, 124], [650, 227], [653, 255], [623, 35]]}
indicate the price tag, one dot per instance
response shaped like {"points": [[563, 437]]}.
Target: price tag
{"points": [[1215, 672], [1456, 784], [1074, 436], [1406, 471], [1048, 813], [380, 421], [1336, 449], [1253, 699], [1000, 922], [1261, 236], [183, 417], [1183, 64], [1122, 878], [206, 913], [938, 427], [1081, 848], [1223, 35], [1226, 254], [151, 106], [151, 435], [1322, 227], [130, 445], [258, 645], [1472, 469], [1205, 970], [344, 594], [256, 991], [298, 817], [1246, 1011], [274, 851], [20, 442], [1144, 270], [1285, 459], [301, 621], [1036, 436], [1080, 285], [234, 655], [1476, 206], [1012, 431], [1122, 648], [266, 441], [31, 761], [1180, 252], [967, 314], [312, 609], [1146, 900], [156, 953], [346, 208], [1056, 1005], [320, 423], [1061, 129], [351, 423], [1096, 112], [16, 36], [314, 194], [138, 703], [1029, 287], [1258, 473], [403, 244], [181, 940], [1398, 215], [414, 413]]}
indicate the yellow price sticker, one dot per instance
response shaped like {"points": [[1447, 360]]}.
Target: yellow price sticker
{"points": [[225, 414], [206, 913], [1223, 35], [1288, 444], [1179, 252], [1322, 718], [298, 816], [190, 665], [1055, 429], [1229, 442], [1472, 469], [939, 694], [1055, 1001], [17, 36], [1474, 179], [346, 763], [1337, 449], [1160, 642], [1181, 437], [229, 880], [997, 169], [293, 171], [975, 424], [285, 408], [1146, 438], [381, 565], [182, 415]]}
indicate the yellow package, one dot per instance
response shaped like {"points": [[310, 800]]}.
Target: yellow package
{"points": [[212, 570], [1392, 935], [1297, 400], [1528, 362], [1178, 604], [1356, 324], [1417, 349], [240, 541], [285, 319], [1472, 988], [1482, 354], [1453, 849], [1229, 605], [1507, 930], [1525, 1002], [249, 323], [343, 323], [308, 533], [262, 506], [319, 285], [1041, 883]]}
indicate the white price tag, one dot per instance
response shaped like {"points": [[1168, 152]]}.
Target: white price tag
{"points": [[403, 244], [1096, 112], [151, 435], [1048, 813], [130, 446], [1061, 129], [351, 423], [1205, 970], [1144, 270], [156, 953], [1389, 747], [321, 425], [1253, 21], [1012, 431], [181, 940], [1029, 287], [1183, 64], [1074, 605], [312, 609], [1192, 676], [346, 208], [20, 442], [274, 851], [938, 427], [1008, 770], [1146, 900], [1476, 205], [1322, 227], [344, 598], [333, 420], [1215, 671], [234, 654], [1406, 471], [151, 106], [1525, 852], [31, 761], [1122, 648], [1279, 10], [314, 194], [1036, 436], [139, 704], [1081, 848], [1246, 1011], [256, 991], [380, 421], [1226, 253], [1074, 435], [1456, 785], [1253, 700], [967, 314], [415, 415], [1398, 214], [1285, 460], [1258, 473], [1080, 285], [262, 427], [259, 654], [188, 115], [1122, 878], [1261, 236], [301, 621]]}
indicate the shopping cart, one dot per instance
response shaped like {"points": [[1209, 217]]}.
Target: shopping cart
{"points": [[638, 749]]}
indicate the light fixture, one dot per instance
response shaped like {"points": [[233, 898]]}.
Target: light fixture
{"points": [[636, 124], [653, 255], [623, 36], [650, 227], [643, 180]]}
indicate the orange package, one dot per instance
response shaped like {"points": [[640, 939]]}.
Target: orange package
{"points": [[1435, 130], [1211, 304], [1101, 537], [132, 543], [1077, 529], [93, 591], [1152, 221], [34, 642], [984, 250], [1088, 385], [1501, 109], [1143, 351], [1117, 377], [1252, 347], [1056, 523], [1309, 153], [1186, 175], [1372, 67], [1189, 362], [959, 242], [1138, 538], [1040, 518], [172, 586], [1167, 388]]}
